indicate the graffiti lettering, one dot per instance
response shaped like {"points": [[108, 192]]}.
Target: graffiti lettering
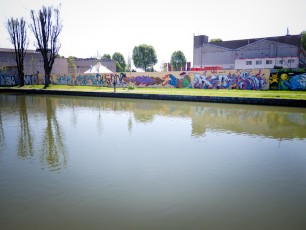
{"points": [[7, 80], [218, 79], [238, 80], [30, 80], [144, 80], [286, 80], [184, 81]]}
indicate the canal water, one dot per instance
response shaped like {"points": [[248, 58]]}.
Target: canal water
{"points": [[101, 163]]}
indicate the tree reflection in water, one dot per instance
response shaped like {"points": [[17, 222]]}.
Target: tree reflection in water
{"points": [[74, 117], [25, 140], [1, 132], [130, 124], [53, 149], [99, 122]]}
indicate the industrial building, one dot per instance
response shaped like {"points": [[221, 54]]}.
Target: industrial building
{"points": [[34, 64], [254, 53]]}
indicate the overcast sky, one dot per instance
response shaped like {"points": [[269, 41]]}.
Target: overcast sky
{"points": [[105, 27]]}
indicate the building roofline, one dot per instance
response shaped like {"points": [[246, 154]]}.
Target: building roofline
{"points": [[9, 50], [273, 57], [293, 40]]}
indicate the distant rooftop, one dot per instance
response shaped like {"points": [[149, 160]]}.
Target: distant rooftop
{"points": [[236, 44], [8, 50]]}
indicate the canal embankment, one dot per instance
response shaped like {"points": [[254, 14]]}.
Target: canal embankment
{"points": [[193, 98]]}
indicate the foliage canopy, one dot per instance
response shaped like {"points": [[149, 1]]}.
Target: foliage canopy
{"points": [[120, 62], [144, 56], [178, 60], [303, 39], [215, 40]]}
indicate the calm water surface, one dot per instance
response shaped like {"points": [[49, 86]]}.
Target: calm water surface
{"points": [[101, 163]]}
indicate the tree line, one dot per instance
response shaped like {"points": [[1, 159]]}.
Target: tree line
{"points": [[46, 26]]}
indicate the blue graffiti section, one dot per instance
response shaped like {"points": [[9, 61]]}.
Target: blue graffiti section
{"points": [[76, 80], [64, 80], [94, 80], [243, 80], [31, 80], [8, 80]]}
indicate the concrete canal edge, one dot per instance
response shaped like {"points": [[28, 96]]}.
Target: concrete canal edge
{"points": [[215, 99]]}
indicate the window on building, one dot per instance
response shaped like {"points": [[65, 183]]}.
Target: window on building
{"points": [[268, 62], [281, 62], [248, 62], [291, 61], [259, 62]]}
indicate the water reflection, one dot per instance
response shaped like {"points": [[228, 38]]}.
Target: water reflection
{"points": [[178, 164], [99, 122], [273, 122], [1, 132], [25, 140], [74, 118], [53, 148], [130, 124], [268, 121]]}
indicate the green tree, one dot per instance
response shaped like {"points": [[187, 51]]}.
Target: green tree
{"points": [[120, 62], [215, 40], [144, 56], [46, 27], [18, 37], [178, 60], [129, 64], [106, 57], [71, 65], [303, 39], [163, 66]]}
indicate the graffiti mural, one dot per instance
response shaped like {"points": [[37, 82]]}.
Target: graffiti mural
{"points": [[251, 80], [8, 80], [145, 81], [288, 80], [30, 79], [183, 81], [225, 79], [218, 79]]}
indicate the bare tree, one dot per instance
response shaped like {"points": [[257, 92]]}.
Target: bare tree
{"points": [[46, 26], [18, 36]]}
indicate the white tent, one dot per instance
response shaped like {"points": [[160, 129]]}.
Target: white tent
{"points": [[98, 68]]}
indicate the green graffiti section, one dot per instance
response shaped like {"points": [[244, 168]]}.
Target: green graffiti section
{"points": [[288, 80]]}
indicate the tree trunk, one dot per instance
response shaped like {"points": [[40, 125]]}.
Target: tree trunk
{"points": [[21, 79], [20, 68], [47, 80], [47, 75]]}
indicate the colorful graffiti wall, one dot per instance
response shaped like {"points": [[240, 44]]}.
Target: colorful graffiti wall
{"points": [[288, 80], [219, 79], [10, 80]]}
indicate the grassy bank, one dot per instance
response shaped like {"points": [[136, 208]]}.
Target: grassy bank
{"points": [[301, 95]]}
